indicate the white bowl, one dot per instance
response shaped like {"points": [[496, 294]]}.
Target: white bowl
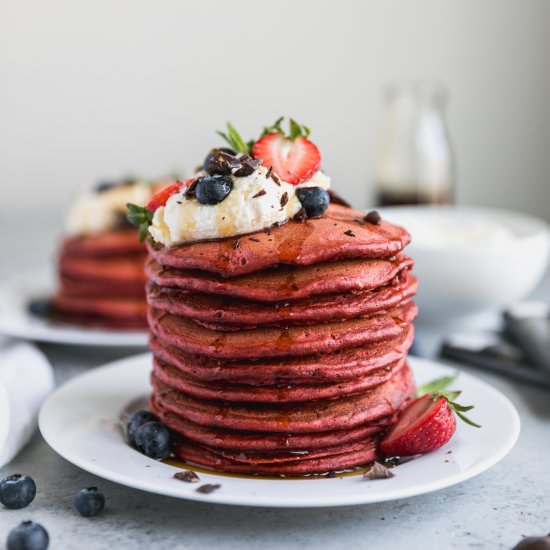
{"points": [[471, 259]]}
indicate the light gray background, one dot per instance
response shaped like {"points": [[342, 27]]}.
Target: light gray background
{"points": [[95, 89]]}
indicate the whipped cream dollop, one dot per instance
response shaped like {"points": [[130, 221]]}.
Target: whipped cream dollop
{"points": [[98, 211], [256, 202]]}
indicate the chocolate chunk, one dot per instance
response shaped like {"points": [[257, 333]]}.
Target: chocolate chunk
{"points": [[301, 215], [254, 239], [378, 471], [243, 171], [188, 476], [260, 193], [245, 166], [397, 460], [349, 233], [373, 217], [284, 199], [208, 488], [190, 191]]}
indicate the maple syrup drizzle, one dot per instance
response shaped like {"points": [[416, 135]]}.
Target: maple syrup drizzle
{"points": [[180, 464]]}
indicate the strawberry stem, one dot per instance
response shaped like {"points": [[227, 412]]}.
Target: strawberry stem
{"points": [[295, 130], [140, 216], [437, 385], [234, 139], [437, 389]]}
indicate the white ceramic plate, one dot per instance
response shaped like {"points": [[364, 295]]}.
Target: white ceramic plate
{"points": [[80, 422], [16, 321]]}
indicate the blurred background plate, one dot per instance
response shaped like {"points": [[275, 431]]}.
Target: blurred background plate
{"points": [[17, 291], [472, 260]]}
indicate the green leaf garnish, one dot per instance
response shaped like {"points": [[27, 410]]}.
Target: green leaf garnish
{"points": [[235, 141], [464, 418], [437, 389], [140, 216], [295, 130], [437, 385], [275, 128]]}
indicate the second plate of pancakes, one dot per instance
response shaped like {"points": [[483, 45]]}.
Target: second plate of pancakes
{"points": [[16, 321]]}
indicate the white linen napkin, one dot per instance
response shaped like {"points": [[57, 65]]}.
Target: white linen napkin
{"points": [[26, 378]]}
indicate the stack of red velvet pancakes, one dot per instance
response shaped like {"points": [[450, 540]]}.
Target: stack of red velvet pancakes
{"points": [[100, 263], [281, 351], [101, 280]]}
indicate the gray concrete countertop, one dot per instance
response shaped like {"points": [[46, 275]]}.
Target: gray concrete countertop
{"points": [[490, 511]]}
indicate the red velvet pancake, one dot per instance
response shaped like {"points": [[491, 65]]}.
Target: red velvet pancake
{"points": [[237, 313], [275, 342], [264, 441], [118, 308], [340, 365], [100, 289], [316, 416], [282, 393], [124, 270], [285, 282], [102, 281], [203, 456], [108, 243], [340, 234]]}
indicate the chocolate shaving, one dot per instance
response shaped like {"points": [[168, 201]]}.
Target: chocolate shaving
{"points": [[275, 178], [284, 199], [301, 215], [188, 476], [260, 193], [254, 239], [349, 233], [378, 471], [373, 217], [269, 171], [236, 243], [208, 488], [190, 191], [397, 460]]}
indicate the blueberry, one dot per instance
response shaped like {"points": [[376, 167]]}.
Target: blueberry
{"points": [[153, 440], [41, 307], [103, 186], [89, 502], [17, 491], [136, 421], [28, 536], [209, 160], [314, 200], [213, 189]]}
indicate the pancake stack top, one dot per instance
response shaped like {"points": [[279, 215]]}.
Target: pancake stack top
{"points": [[283, 350], [100, 264]]}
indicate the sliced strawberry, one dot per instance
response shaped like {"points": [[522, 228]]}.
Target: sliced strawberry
{"points": [[424, 426], [160, 198], [293, 160]]}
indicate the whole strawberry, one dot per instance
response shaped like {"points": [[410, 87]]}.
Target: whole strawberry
{"points": [[425, 425]]}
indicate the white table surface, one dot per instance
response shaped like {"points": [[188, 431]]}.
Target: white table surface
{"points": [[491, 511]]}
